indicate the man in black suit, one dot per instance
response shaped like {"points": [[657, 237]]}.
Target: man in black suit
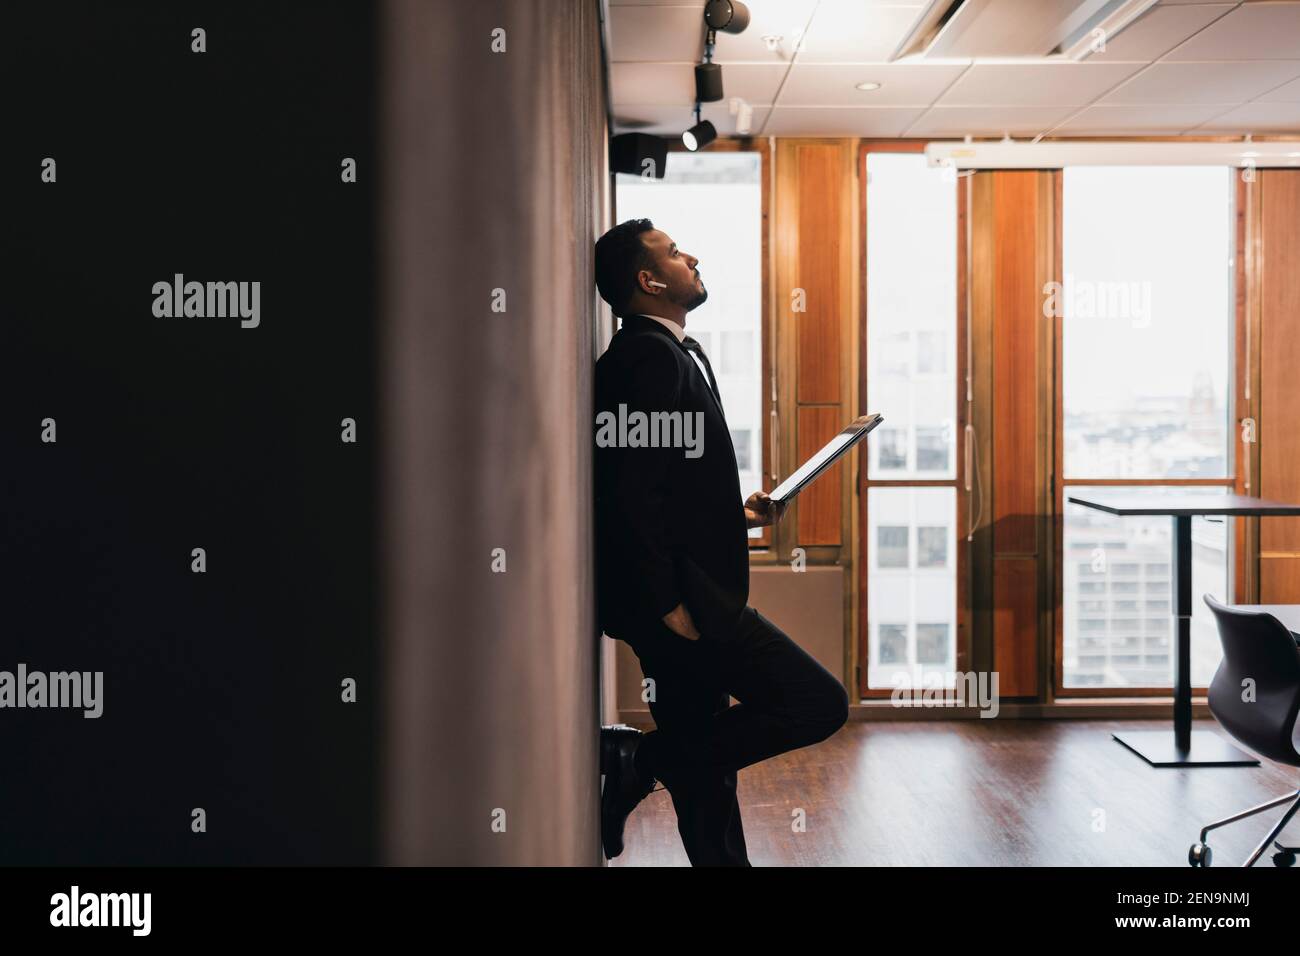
{"points": [[673, 566]]}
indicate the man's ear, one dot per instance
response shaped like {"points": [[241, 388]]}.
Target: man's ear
{"points": [[648, 285]]}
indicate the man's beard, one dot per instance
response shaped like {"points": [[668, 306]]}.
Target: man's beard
{"points": [[699, 300]]}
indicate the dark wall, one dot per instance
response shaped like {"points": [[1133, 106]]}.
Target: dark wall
{"points": [[222, 689], [326, 560]]}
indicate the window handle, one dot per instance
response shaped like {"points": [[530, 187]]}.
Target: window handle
{"points": [[969, 447]]}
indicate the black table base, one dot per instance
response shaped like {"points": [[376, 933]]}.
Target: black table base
{"points": [[1205, 749]]}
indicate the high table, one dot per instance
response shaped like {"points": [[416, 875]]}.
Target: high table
{"points": [[1183, 748]]}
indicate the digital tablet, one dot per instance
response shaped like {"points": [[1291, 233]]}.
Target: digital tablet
{"points": [[852, 433]]}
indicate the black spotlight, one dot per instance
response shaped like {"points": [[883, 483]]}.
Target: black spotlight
{"points": [[708, 82], [699, 136], [638, 154], [729, 16]]}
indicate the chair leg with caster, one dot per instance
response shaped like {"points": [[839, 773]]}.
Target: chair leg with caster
{"points": [[1200, 853]]}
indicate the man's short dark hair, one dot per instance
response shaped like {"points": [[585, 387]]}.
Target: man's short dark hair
{"points": [[620, 255]]}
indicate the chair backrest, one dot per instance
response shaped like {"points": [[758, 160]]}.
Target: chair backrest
{"points": [[1255, 693]]}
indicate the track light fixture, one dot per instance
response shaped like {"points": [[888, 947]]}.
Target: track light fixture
{"points": [[699, 135], [729, 16]]}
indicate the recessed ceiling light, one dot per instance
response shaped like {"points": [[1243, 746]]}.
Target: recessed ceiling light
{"points": [[867, 87]]}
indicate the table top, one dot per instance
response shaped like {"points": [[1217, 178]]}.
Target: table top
{"points": [[1210, 503]]}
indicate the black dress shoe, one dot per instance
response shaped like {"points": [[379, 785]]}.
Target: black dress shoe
{"points": [[624, 786]]}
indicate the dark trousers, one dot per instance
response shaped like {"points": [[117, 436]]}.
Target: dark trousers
{"points": [[786, 701]]}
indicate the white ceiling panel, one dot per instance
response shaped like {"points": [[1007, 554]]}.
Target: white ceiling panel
{"points": [[786, 19], [850, 31], [662, 33], [1256, 118], [1286, 93], [1253, 31], [1204, 82], [883, 122], [1158, 31], [1056, 83], [1136, 120], [954, 121], [901, 84], [673, 84]]}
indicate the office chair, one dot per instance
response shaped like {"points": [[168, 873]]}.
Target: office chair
{"points": [[1259, 654]]}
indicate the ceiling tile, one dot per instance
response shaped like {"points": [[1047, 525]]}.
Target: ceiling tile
{"points": [[663, 34], [673, 84], [956, 121], [1222, 82], [901, 84], [786, 19], [1137, 120], [849, 31], [839, 121], [1158, 31], [1056, 83], [1286, 93], [1256, 118], [1254, 31]]}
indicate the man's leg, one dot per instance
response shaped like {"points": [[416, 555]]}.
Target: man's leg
{"points": [[787, 700], [685, 700]]}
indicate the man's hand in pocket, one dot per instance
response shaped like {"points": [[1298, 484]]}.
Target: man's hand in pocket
{"points": [[679, 622]]}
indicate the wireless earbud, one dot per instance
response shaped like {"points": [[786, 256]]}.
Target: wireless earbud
{"points": [[662, 285]]}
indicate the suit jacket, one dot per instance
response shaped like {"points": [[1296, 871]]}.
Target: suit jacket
{"points": [[670, 529]]}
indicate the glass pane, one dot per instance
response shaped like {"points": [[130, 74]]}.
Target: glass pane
{"points": [[712, 205], [912, 586], [891, 546], [1118, 628], [911, 316], [1147, 315]]}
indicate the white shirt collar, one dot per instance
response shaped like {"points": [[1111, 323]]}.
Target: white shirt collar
{"points": [[678, 332]]}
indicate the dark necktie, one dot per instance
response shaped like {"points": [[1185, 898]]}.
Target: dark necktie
{"points": [[691, 345]]}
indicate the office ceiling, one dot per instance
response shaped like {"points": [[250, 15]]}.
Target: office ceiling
{"points": [[1184, 67]]}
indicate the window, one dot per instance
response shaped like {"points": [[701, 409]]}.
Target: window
{"points": [[1127, 609], [892, 643], [742, 440], [911, 377], [711, 203], [912, 315], [1146, 308], [912, 581], [892, 549]]}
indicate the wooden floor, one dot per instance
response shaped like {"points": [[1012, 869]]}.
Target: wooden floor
{"points": [[981, 793]]}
